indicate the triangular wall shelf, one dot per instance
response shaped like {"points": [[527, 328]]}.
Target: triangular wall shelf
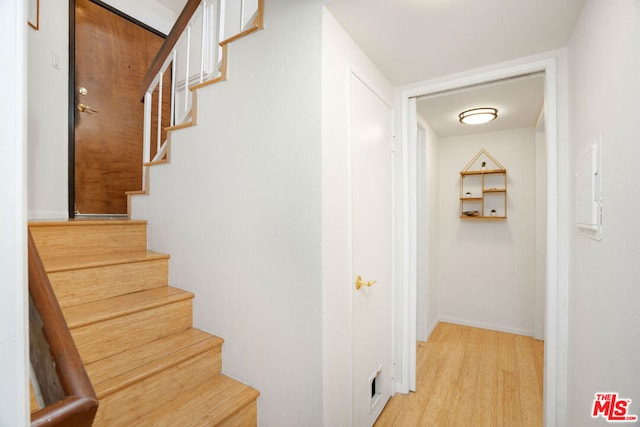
{"points": [[483, 188], [475, 165]]}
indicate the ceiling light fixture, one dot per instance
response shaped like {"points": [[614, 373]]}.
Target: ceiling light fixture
{"points": [[477, 116]]}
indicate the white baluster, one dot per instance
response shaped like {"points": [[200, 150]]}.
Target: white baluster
{"points": [[173, 86], [146, 133], [186, 69], [221, 22], [207, 40], [203, 40], [160, 87]]}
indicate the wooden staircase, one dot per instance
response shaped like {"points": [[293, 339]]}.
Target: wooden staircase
{"points": [[147, 364]]}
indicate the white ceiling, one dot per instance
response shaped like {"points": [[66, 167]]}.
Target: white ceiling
{"points": [[415, 40], [519, 103], [158, 14], [174, 5]]}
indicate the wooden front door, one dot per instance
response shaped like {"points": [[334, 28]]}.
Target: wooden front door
{"points": [[111, 56]]}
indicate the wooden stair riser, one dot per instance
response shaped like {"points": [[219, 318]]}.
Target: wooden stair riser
{"points": [[155, 392], [121, 370], [246, 416], [93, 284], [102, 339], [83, 238], [223, 401]]}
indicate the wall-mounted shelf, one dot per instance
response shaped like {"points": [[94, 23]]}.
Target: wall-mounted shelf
{"points": [[483, 189]]}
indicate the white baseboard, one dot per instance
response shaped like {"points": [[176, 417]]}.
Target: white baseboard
{"points": [[31, 215], [485, 325], [431, 325]]}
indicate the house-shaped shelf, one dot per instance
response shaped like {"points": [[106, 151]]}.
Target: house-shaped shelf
{"points": [[483, 188]]}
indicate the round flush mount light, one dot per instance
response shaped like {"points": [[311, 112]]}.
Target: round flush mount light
{"points": [[477, 116]]}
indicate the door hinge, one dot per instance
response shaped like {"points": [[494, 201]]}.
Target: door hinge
{"points": [[393, 371], [393, 144]]}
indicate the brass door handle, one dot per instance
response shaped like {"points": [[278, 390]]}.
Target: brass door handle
{"points": [[83, 108], [360, 283]]}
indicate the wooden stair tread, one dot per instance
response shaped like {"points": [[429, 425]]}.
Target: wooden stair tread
{"points": [[210, 404], [85, 222], [96, 311], [65, 263], [33, 402], [113, 373]]}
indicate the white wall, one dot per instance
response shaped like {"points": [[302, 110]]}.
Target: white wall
{"points": [[604, 316], [47, 112], [541, 231], [151, 12], [428, 208], [239, 210], [433, 225], [340, 56], [487, 268], [14, 341]]}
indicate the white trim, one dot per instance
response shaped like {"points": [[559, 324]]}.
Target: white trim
{"points": [[422, 222], [410, 195], [539, 301], [557, 314], [486, 325], [43, 214], [14, 337]]}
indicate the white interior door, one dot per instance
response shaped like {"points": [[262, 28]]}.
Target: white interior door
{"points": [[371, 253]]}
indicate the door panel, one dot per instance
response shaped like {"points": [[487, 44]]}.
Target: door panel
{"points": [[111, 56], [371, 253]]}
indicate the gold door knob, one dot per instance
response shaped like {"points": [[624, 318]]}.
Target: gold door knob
{"points": [[83, 108], [360, 283]]}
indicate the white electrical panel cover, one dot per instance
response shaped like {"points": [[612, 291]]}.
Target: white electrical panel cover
{"points": [[588, 195]]}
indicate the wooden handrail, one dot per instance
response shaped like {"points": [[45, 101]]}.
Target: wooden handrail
{"points": [[79, 402], [169, 43]]}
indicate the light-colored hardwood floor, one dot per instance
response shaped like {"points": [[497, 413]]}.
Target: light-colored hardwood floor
{"points": [[472, 377]]}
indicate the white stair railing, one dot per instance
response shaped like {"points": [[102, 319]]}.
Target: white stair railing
{"points": [[197, 58]]}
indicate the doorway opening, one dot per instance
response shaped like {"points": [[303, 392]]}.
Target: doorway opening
{"points": [[482, 271], [550, 316]]}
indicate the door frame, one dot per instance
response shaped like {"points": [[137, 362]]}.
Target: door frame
{"points": [[423, 217], [555, 349], [71, 156]]}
